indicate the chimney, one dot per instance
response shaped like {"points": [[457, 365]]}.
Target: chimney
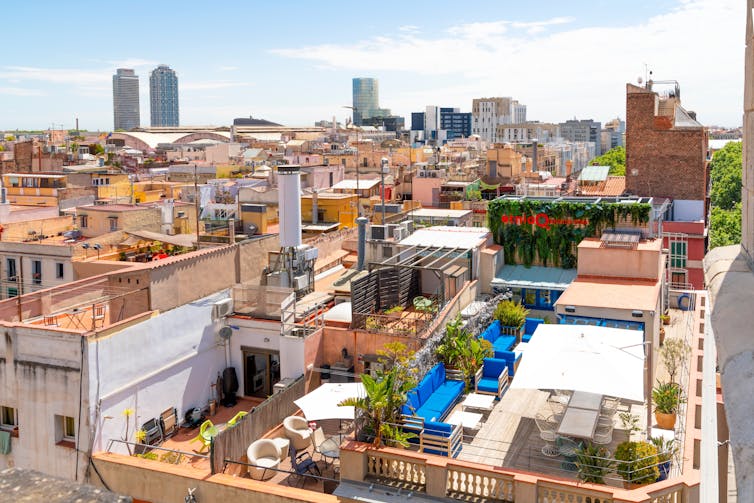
{"points": [[362, 246], [289, 205]]}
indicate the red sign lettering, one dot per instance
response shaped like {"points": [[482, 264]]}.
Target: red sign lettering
{"points": [[541, 220]]}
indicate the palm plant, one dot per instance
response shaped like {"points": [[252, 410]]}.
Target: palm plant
{"points": [[461, 350]]}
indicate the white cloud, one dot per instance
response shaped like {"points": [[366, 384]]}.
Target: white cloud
{"points": [[561, 72], [409, 28], [133, 63], [55, 75], [229, 68], [20, 91]]}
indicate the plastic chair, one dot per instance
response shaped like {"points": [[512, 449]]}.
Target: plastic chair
{"points": [[234, 420], [207, 431]]}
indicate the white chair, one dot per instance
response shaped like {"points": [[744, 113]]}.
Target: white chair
{"points": [[557, 408], [298, 431], [264, 458], [609, 407], [547, 428], [323, 445]]}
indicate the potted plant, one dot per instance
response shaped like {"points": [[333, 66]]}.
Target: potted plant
{"points": [[460, 350], [593, 462], [673, 353], [394, 312], [667, 396], [665, 319], [512, 317], [666, 449], [636, 463]]}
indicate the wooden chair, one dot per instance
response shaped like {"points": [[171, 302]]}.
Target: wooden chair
{"points": [[51, 321], [169, 420], [98, 315]]}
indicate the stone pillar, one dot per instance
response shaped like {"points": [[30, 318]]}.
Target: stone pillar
{"points": [[747, 196]]}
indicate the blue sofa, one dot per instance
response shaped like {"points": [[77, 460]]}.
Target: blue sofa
{"points": [[434, 396], [499, 342], [529, 327], [492, 378]]}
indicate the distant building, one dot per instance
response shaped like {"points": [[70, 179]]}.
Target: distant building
{"points": [[125, 99], [389, 122], [455, 122], [366, 100], [489, 113], [163, 97], [439, 124], [526, 132], [583, 130]]}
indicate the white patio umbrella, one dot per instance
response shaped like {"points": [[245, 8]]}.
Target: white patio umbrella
{"points": [[607, 361], [322, 403]]}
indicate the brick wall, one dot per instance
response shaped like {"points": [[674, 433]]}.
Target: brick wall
{"points": [[667, 162]]}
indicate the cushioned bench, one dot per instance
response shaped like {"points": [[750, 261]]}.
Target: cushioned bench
{"points": [[434, 396], [492, 378], [512, 359], [499, 342], [529, 327]]}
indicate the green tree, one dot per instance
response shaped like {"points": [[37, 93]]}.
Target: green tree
{"points": [[725, 195], [615, 158], [725, 175]]}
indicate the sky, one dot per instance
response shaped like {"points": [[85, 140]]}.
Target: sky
{"points": [[292, 61]]}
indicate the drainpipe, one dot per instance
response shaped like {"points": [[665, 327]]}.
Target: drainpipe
{"points": [[361, 250]]}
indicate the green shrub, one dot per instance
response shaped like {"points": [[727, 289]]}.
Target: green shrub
{"points": [[667, 396], [593, 463], [511, 314], [637, 462]]}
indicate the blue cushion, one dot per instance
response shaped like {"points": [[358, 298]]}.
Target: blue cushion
{"points": [[424, 391], [526, 337], [412, 400], [442, 430], [455, 388], [504, 342], [487, 384], [531, 325], [511, 363], [493, 367], [428, 413], [438, 375]]}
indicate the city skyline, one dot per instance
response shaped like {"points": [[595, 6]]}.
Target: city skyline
{"points": [[563, 61]]}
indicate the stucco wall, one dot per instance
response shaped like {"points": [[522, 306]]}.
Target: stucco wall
{"points": [[40, 377], [167, 361]]}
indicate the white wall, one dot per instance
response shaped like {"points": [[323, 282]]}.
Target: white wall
{"points": [[688, 210], [170, 360], [265, 335]]}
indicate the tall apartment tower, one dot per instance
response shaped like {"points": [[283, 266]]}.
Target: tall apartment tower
{"points": [[489, 113], [366, 99], [163, 97], [583, 130], [125, 99]]}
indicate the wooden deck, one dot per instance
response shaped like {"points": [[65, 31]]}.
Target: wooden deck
{"points": [[509, 436]]}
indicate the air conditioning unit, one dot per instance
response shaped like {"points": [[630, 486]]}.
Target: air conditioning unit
{"points": [[391, 230], [222, 308], [422, 174], [398, 234], [378, 232]]}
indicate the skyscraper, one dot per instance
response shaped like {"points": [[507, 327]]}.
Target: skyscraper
{"points": [[163, 97], [366, 100], [125, 99]]}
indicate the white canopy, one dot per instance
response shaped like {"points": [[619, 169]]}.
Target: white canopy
{"points": [[608, 361], [322, 403]]}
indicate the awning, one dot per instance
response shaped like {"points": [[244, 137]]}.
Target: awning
{"points": [[545, 278], [322, 403], [607, 361], [185, 240]]}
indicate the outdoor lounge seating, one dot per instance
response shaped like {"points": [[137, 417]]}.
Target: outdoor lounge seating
{"points": [[302, 464], [264, 458], [492, 378], [434, 396], [297, 430], [512, 359], [426, 405], [207, 431], [499, 342], [529, 327]]}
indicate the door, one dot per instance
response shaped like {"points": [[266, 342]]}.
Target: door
{"points": [[261, 370]]}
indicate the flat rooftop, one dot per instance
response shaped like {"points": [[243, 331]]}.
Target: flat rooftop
{"points": [[439, 213], [457, 237], [612, 293]]}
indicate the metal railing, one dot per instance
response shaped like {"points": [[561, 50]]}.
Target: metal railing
{"points": [[146, 448]]}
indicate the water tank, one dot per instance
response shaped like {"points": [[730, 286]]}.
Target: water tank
{"points": [[289, 205]]}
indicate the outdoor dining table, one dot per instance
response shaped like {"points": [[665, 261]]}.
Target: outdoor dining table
{"points": [[581, 415]]}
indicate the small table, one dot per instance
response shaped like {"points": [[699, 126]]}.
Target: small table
{"points": [[469, 420], [579, 423], [330, 448], [585, 400], [478, 401]]}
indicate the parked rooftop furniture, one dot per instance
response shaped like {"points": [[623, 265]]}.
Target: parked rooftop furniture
{"points": [[234, 420], [264, 458], [492, 378], [207, 431], [169, 422], [302, 464], [297, 430], [530, 326], [499, 342], [547, 427]]}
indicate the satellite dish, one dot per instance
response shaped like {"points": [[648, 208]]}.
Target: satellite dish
{"points": [[225, 332]]}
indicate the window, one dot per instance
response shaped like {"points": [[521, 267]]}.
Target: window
{"points": [[678, 279], [36, 271], [678, 254], [84, 221], [59, 270], [113, 223], [10, 267], [12, 292], [65, 429], [8, 418], [530, 297]]}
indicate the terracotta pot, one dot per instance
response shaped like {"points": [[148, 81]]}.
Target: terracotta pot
{"points": [[665, 421]]}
